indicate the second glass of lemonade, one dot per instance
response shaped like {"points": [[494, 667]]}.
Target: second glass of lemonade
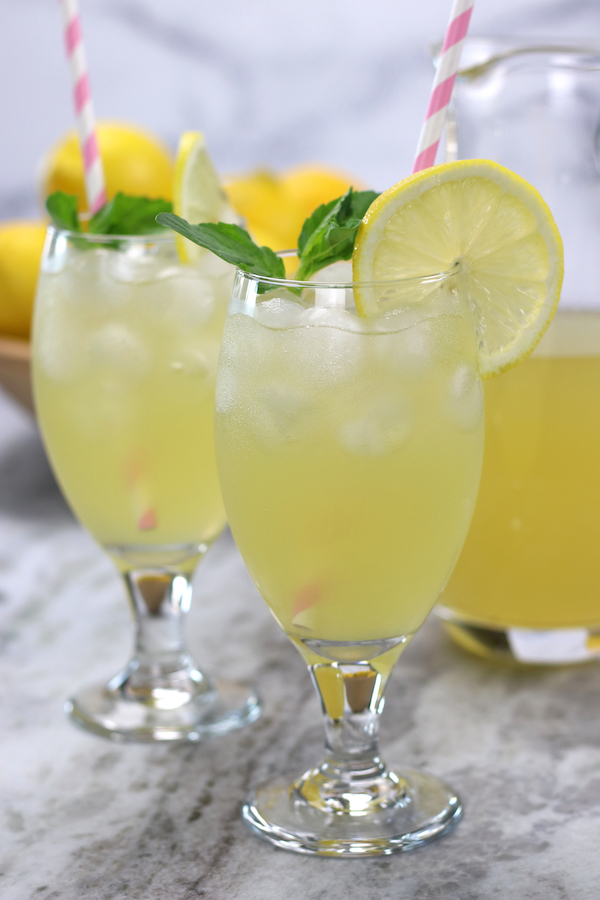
{"points": [[125, 348], [527, 584], [349, 451]]}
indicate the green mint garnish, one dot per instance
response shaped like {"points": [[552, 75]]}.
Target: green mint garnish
{"points": [[63, 211], [122, 215], [128, 215], [231, 243], [327, 236]]}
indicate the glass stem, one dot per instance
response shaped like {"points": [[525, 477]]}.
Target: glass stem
{"points": [[352, 779], [352, 700], [159, 601], [162, 673]]}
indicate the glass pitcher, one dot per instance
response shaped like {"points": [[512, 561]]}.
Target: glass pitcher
{"points": [[527, 585]]}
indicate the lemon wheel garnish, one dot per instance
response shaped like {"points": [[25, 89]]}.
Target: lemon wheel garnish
{"points": [[495, 225], [197, 192]]}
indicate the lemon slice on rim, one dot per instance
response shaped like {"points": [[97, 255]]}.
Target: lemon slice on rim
{"points": [[197, 192], [495, 225]]}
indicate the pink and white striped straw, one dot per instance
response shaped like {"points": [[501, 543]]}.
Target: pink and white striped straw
{"points": [[443, 83], [84, 109]]}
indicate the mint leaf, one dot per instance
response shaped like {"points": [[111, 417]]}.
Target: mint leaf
{"points": [[231, 243], [121, 215], [328, 235], [62, 209], [313, 222], [128, 215]]}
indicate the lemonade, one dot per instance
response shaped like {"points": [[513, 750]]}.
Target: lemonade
{"points": [[126, 344], [125, 348], [349, 436], [531, 558], [349, 455]]}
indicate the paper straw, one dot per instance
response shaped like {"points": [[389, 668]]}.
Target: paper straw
{"points": [[443, 83], [84, 109]]}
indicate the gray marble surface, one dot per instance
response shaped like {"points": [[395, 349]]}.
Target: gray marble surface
{"points": [[83, 819]]}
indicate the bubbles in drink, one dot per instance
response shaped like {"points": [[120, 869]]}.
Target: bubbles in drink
{"points": [[463, 404]]}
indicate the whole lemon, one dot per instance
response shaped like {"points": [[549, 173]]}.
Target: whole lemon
{"points": [[275, 205], [21, 245], [134, 161], [308, 186]]}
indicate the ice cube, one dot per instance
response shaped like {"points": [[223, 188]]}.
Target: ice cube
{"points": [[281, 311], [197, 360], [188, 299], [331, 350], [281, 414], [139, 263], [406, 352], [381, 426], [58, 341], [463, 403], [337, 273], [117, 349]]}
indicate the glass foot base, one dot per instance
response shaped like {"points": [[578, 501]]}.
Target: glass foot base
{"points": [[111, 712], [425, 808], [525, 646]]}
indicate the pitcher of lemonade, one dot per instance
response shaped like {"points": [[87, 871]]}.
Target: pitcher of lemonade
{"points": [[527, 584]]}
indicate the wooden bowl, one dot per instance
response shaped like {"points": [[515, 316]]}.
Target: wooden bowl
{"points": [[15, 370]]}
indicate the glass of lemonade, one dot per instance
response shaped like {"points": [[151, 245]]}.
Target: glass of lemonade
{"points": [[125, 347], [349, 452], [527, 584]]}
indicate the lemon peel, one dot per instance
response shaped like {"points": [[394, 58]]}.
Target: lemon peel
{"points": [[490, 220]]}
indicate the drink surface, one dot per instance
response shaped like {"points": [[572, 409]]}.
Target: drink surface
{"points": [[531, 556], [349, 452], [126, 344]]}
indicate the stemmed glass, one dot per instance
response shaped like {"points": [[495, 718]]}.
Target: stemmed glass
{"points": [[125, 347], [349, 451]]}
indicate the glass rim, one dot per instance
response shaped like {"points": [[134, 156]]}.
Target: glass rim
{"points": [[499, 48], [391, 282], [154, 237]]}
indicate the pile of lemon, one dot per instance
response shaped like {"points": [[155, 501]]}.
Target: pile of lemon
{"points": [[273, 207]]}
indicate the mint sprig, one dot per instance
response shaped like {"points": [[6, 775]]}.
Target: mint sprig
{"points": [[123, 215], [62, 209], [231, 243], [327, 236]]}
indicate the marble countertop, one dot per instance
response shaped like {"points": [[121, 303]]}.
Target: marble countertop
{"points": [[84, 819]]}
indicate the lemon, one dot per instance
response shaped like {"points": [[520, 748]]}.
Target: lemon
{"points": [[197, 192], [495, 225], [134, 161], [308, 186], [21, 245], [259, 198], [275, 206]]}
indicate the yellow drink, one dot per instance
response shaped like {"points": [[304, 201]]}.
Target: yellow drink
{"points": [[126, 345], [531, 556], [349, 453]]}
